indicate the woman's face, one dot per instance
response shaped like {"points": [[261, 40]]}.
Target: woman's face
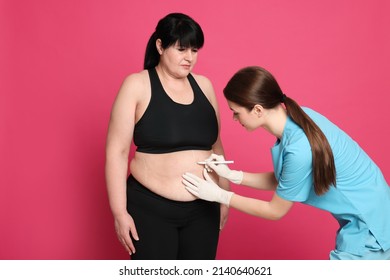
{"points": [[248, 119], [179, 61]]}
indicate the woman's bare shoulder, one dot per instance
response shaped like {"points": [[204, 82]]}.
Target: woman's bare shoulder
{"points": [[205, 84], [135, 84], [136, 79], [202, 80]]}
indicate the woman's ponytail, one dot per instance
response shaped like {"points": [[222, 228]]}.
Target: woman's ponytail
{"points": [[152, 57]]}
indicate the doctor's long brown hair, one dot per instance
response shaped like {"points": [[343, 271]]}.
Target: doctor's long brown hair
{"points": [[255, 85]]}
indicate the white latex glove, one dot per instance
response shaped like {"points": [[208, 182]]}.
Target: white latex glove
{"points": [[223, 170], [206, 189]]}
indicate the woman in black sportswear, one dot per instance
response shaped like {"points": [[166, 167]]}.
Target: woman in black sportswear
{"points": [[171, 114]]}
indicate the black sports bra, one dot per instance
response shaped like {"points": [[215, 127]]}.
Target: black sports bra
{"points": [[167, 126]]}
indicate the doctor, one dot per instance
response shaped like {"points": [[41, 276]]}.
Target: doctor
{"points": [[315, 163]]}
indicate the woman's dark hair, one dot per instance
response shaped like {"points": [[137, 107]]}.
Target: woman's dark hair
{"points": [[174, 27], [255, 85]]}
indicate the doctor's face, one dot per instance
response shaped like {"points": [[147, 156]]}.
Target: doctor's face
{"points": [[247, 118]]}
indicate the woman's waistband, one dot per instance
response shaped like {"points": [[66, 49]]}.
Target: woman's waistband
{"points": [[133, 183]]}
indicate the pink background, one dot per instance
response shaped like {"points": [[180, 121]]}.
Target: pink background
{"points": [[61, 65]]}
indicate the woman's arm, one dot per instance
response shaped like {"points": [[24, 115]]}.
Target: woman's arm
{"points": [[119, 138], [223, 183], [208, 89]]}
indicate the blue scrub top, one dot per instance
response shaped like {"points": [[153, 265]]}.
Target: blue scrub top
{"points": [[361, 199]]}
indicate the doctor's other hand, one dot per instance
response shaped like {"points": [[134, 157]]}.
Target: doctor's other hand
{"points": [[223, 170], [206, 189]]}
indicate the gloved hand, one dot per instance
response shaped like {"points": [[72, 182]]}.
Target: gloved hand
{"points": [[206, 189], [223, 170]]}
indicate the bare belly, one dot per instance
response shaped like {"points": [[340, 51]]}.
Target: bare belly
{"points": [[162, 173]]}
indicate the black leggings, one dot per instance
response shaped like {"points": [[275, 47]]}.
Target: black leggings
{"points": [[169, 229]]}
